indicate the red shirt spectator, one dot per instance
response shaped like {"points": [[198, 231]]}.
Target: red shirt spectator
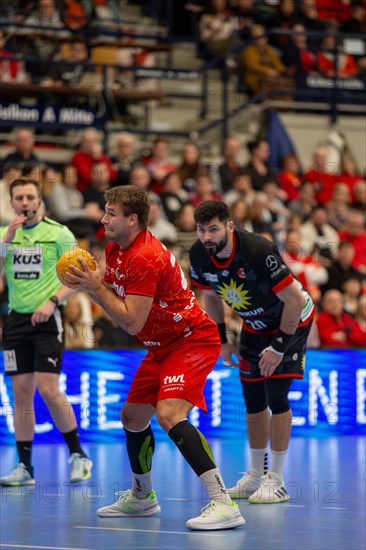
{"points": [[89, 154], [322, 179], [337, 328], [334, 10], [158, 164], [290, 179], [355, 233]]}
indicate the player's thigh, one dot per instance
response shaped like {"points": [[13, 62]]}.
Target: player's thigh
{"points": [[18, 344], [185, 370], [145, 385]]}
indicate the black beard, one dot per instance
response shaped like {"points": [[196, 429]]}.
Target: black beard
{"points": [[219, 246]]}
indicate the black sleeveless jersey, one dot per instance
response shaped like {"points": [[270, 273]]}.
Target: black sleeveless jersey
{"points": [[249, 280]]}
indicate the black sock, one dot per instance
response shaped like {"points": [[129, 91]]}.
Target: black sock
{"points": [[25, 453], [73, 442], [193, 446], [140, 449]]}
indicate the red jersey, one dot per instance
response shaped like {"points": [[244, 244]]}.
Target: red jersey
{"points": [[148, 268]]}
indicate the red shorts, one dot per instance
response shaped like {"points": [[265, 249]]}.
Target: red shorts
{"points": [[178, 371]]}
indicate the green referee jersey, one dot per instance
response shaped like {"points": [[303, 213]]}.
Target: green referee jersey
{"points": [[30, 263]]}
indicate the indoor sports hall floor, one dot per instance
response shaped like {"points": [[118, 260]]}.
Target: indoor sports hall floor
{"points": [[325, 478]]}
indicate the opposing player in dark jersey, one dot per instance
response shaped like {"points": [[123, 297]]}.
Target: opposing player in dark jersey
{"points": [[246, 271], [33, 336], [144, 290]]}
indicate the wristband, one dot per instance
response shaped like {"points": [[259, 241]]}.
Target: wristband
{"points": [[3, 249], [222, 331], [281, 341]]}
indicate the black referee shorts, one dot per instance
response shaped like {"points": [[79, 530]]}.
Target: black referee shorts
{"points": [[29, 348]]}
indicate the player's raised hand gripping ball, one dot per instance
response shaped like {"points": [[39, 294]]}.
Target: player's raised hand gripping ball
{"points": [[70, 257]]}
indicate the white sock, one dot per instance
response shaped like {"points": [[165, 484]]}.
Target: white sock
{"points": [[215, 486], [277, 462], [259, 460], [142, 484]]}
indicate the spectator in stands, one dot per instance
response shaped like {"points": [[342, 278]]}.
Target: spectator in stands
{"points": [[187, 231], [298, 57], [258, 168], [354, 232], [260, 61], [163, 230], [337, 328], [290, 177], [306, 202], [351, 290], [140, 176], [218, 29], [359, 192], [78, 322], [247, 15], [338, 207], [158, 164], [260, 216], [74, 15], [173, 196], [191, 166], [317, 231], [11, 173], [125, 161], [230, 167], [242, 189], [240, 214], [333, 62], [285, 17], [308, 17], [94, 194], [12, 69], [341, 268], [42, 43], [322, 174], [307, 269], [205, 191], [357, 23], [70, 73], [67, 206], [349, 172], [89, 153], [24, 155], [334, 10]]}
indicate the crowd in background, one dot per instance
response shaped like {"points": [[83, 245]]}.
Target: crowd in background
{"points": [[272, 43], [315, 214]]}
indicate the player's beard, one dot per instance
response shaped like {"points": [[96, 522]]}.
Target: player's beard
{"points": [[215, 248]]}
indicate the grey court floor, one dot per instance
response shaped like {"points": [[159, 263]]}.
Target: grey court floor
{"points": [[325, 478]]}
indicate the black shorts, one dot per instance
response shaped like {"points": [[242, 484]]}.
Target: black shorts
{"points": [[30, 348], [292, 364]]}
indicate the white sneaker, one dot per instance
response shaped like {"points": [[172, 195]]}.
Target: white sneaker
{"points": [[246, 485], [128, 505], [80, 467], [270, 491], [19, 476], [217, 515]]}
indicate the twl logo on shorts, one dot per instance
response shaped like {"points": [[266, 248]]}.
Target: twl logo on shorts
{"points": [[178, 379]]}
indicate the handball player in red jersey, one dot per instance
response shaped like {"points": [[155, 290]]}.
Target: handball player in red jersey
{"points": [[145, 291]]}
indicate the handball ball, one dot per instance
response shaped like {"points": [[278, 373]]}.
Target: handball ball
{"points": [[70, 257]]}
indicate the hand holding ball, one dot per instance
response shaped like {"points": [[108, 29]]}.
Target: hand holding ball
{"points": [[70, 257]]}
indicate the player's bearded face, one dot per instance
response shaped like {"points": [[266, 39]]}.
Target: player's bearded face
{"points": [[214, 247]]}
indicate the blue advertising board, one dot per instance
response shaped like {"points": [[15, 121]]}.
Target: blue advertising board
{"points": [[330, 400]]}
